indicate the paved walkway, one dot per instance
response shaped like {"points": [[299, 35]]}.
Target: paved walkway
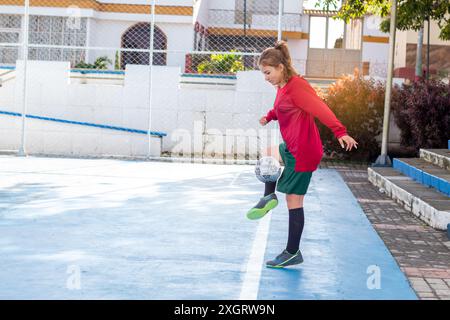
{"points": [[110, 229], [422, 252]]}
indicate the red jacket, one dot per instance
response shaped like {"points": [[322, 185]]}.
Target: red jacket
{"points": [[296, 105]]}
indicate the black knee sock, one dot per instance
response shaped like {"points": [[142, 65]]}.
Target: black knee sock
{"points": [[269, 187], [296, 223]]}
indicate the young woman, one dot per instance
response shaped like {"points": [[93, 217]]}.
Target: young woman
{"points": [[296, 105]]}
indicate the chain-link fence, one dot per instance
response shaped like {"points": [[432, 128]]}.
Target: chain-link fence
{"points": [[76, 77]]}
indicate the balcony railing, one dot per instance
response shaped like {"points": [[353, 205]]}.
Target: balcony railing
{"points": [[254, 20]]}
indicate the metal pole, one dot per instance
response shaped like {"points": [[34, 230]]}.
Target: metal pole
{"points": [[428, 50], [245, 26], [24, 82], [245, 18], [419, 69], [152, 36], [280, 16], [279, 37], [383, 159]]}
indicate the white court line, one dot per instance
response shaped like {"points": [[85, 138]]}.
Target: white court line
{"points": [[235, 178], [250, 286]]}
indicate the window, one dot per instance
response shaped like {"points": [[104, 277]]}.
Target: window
{"points": [[328, 33], [57, 31], [9, 33], [10, 21], [46, 30]]}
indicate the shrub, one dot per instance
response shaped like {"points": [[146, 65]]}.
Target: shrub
{"points": [[422, 113], [359, 105], [221, 63], [197, 59], [100, 63]]}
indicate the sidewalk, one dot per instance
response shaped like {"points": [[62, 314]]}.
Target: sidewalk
{"points": [[422, 252]]}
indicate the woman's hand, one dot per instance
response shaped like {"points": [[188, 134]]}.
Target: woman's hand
{"points": [[349, 142], [263, 121]]}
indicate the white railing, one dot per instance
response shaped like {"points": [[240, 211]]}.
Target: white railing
{"points": [[233, 18]]}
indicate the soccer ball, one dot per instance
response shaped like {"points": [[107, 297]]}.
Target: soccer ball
{"points": [[268, 169]]}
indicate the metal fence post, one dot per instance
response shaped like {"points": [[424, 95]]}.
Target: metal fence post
{"points": [[280, 16], [383, 159], [22, 151], [152, 36]]}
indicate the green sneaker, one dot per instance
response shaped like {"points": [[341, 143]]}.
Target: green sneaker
{"points": [[285, 259], [264, 205]]}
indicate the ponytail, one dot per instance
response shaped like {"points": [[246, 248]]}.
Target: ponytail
{"points": [[282, 46], [276, 55]]}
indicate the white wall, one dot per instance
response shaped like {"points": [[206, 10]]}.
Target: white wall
{"points": [[7, 94], [108, 33], [186, 3], [50, 94], [299, 54], [82, 12], [180, 38], [371, 27], [372, 51], [222, 5], [211, 119], [201, 11], [376, 54], [293, 6], [305, 23], [400, 49]]}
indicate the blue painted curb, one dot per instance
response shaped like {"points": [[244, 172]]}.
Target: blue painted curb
{"points": [[78, 70], [212, 76], [153, 133], [90, 71], [422, 177], [121, 72]]}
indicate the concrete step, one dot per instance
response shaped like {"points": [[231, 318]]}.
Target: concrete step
{"points": [[425, 173], [424, 202], [439, 157]]}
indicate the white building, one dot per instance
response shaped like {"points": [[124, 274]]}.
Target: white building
{"points": [[321, 46], [405, 52]]}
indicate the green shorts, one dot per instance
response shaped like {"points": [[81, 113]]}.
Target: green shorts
{"points": [[290, 181]]}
